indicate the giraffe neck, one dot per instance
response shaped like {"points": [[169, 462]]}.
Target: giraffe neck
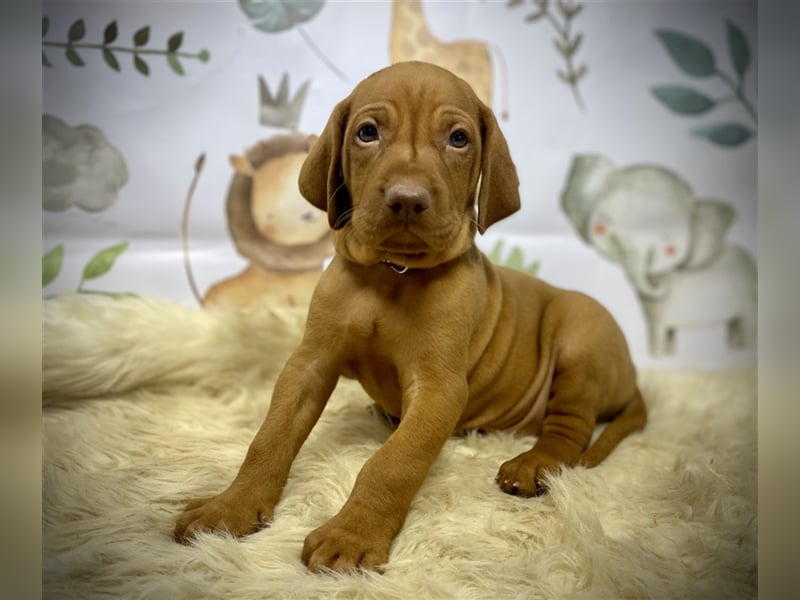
{"points": [[409, 28]]}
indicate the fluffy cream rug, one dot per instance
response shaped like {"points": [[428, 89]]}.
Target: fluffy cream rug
{"points": [[147, 404]]}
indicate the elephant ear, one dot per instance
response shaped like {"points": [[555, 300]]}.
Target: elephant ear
{"points": [[711, 220], [588, 174]]}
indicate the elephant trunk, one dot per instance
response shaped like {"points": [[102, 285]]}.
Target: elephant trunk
{"points": [[636, 262]]}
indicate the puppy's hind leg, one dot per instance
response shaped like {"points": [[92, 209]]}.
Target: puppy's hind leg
{"points": [[566, 431], [632, 417]]}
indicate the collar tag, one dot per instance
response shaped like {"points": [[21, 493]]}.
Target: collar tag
{"points": [[395, 267]]}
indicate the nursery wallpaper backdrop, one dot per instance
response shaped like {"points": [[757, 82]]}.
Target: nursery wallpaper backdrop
{"points": [[173, 133]]}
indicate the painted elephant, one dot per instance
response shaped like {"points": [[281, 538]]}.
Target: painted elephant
{"points": [[671, 245]]}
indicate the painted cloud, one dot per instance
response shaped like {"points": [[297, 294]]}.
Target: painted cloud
{"points": [[79, 167]]}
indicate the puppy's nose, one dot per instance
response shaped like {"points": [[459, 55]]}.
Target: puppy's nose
{"points": [[407, 200]]}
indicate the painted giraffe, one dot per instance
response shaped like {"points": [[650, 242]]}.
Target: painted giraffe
{"points": [[470, 59]]}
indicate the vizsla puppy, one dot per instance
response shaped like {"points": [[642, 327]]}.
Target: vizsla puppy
{"points": [[408, 168]]}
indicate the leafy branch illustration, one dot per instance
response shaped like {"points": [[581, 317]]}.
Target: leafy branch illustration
{"points": [[141, 39], [696, 59], [275, 16], [515, 259], [566, 43], [98, 265]]}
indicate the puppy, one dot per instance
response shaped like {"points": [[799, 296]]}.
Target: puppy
{"points": [[409, 167]]}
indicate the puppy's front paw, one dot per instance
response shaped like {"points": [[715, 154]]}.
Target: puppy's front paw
{"points": [[233, 511], [343, 547], [525, 474]]}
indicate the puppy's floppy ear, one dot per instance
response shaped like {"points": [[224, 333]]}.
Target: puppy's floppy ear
{"points": [[499, 188], [320, 177]]}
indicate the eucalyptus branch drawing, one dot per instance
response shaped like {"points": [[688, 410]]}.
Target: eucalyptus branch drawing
{"points": [[566, 43], [141, 38], [696, 59]]}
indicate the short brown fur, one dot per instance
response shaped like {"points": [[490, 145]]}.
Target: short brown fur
{"points": [[438, 336]]}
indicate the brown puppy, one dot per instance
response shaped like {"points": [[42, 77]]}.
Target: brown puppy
{"points": [[437, 335]]}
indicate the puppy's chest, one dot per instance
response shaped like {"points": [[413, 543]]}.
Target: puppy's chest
{"points": [[370, 356], [367, 339]]}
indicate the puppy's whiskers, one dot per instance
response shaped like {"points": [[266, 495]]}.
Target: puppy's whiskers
{"points": [[343, 218], [336, 191]]}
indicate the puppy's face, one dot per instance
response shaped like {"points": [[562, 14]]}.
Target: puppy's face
{"points": [[398, 165]]}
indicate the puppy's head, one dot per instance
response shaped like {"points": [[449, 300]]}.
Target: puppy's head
{"points": [[402, 165]]}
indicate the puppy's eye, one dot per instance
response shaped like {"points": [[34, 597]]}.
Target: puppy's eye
{"points": [[367, 133], [459, 139]]}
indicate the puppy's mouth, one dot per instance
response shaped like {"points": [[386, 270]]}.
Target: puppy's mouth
{"points": [[410, 251], [417, 248], [406, 246]]}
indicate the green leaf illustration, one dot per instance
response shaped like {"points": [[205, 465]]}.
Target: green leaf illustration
{"points": [[73, 57], [683, 100], [740, 50], [140, 65], [568, 48], [110, 52], [272, 16], [724, 134], [559, 14], [516, 259], [690, 54], [142, 36], [110, 59], [76, 31], [101, 263], [697, 59], [494, 255], [572, 11], [175, 41], [51, 264], [174, 63], [110, 33]]}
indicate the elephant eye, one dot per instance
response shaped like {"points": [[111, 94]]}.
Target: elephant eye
{"points": [[367, 133]]}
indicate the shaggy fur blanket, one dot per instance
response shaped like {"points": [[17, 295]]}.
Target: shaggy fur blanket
{"points": [[147, 404]]}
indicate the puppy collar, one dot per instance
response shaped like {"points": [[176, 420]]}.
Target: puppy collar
{"points": [[394, 266]]}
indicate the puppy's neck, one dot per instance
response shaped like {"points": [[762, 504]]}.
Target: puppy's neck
{"points": [[389, 271]]}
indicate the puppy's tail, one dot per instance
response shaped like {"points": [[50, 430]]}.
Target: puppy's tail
{"points": [[631, 418]]}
